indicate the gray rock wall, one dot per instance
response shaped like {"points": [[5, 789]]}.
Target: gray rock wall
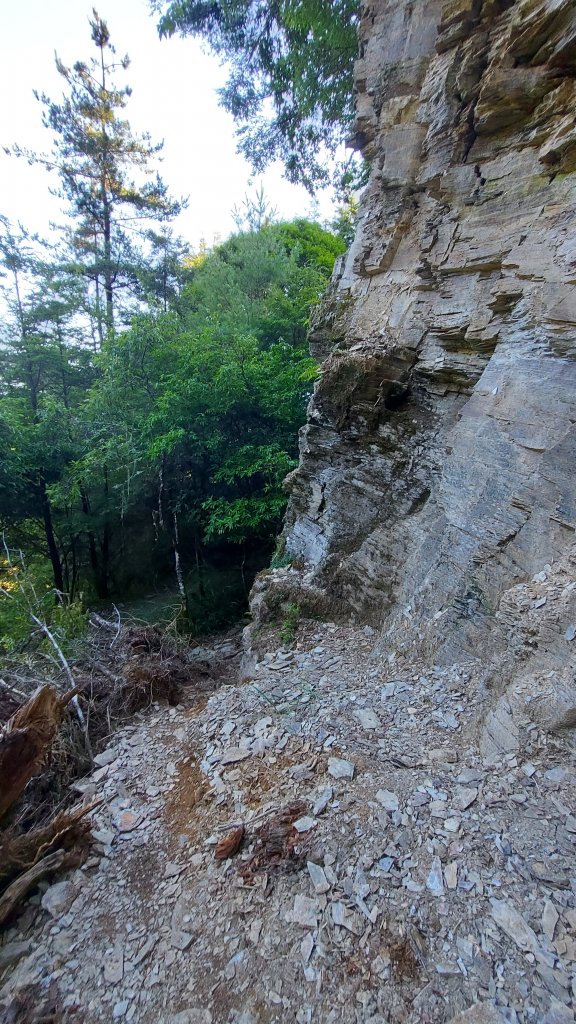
{"points": [[437, 464]]}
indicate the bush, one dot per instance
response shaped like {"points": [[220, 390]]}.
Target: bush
{"points": [[26, 591]]}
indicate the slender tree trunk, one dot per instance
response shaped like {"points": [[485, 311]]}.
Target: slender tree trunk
{"points": [[99, 313], [105, 545], [242, 573], [92, 547], [50, 536], [178, 565], [108, 275], [199, 571], [107, 211], [161, 492], [74, 570], [108, 271], [53, 551], [104, 589], [62, 351]]}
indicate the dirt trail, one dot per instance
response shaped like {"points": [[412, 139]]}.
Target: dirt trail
{"points": [[414, 881]]}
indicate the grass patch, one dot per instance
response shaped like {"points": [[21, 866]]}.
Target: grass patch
{"points": [[290, 623]]}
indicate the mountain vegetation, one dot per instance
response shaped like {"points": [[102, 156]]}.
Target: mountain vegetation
{"points": [[150, 397], [290, 74]]}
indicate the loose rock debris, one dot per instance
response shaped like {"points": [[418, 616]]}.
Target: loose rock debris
{"points": [[43, 749], [427, 886]]}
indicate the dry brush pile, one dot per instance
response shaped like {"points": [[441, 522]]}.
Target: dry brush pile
{"points": [[47, 740]]}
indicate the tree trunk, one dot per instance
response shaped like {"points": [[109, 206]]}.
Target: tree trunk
{"points": [[178, 566], [104, 588], [108, 272], [50, 536], [92, 546], [26, 740]]}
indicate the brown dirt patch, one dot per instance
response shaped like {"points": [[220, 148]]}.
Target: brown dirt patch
{"points": [[183, 812], [405, 966]]}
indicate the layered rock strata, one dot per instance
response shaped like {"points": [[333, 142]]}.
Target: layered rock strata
{"points": [[437, 464]]}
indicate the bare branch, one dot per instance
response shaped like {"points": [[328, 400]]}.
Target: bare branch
{"points": [[79, 713]]}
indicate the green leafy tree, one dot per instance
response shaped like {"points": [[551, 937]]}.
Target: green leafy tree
{"points": [[294, 57], [162, 272], [166, 450], [197, 411], [315, 246], [43, 381], [117, 253]]}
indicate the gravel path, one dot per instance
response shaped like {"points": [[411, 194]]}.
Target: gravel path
{"points": [[407, 879]]}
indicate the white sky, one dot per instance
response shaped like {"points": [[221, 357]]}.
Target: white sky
{"points": [[173, 99]]}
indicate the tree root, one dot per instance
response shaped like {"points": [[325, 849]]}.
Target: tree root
{"points": [[26, 740]]}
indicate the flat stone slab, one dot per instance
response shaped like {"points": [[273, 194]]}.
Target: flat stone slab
{"points": [[338, 768]]}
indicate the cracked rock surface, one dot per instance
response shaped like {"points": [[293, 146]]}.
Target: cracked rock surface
{"points": [[436, 464]]}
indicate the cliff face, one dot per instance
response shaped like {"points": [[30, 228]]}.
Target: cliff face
{"points": [[437, 464]]}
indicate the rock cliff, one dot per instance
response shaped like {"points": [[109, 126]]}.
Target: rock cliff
{"points": [[435, 496], [436, 467]]}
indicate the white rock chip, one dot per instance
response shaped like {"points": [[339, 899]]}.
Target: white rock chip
{"points": [[114, 966], [451, 874], [58, 899], [322, 800], [306, 947], [464, 797], [388, 799], [549, 919], [305, 824], [318, 877], [234, 754], [368, 719], [341, 917], [172, 870], [435, 881], [180, 940], [305, 911], [106, 757], [12, 952], [338, 768], [479, 1013], [191, 1016], [510, 921]]}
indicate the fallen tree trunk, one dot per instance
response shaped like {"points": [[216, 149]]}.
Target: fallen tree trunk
{"points": [[16, 892], [19, 851], [26, 739]]}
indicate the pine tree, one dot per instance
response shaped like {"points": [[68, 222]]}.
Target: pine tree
{"points": [[97, 157]]}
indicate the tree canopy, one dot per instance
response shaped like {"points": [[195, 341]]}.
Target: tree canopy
{"points": [[176, 435], [150, 397], [290, 74]]}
